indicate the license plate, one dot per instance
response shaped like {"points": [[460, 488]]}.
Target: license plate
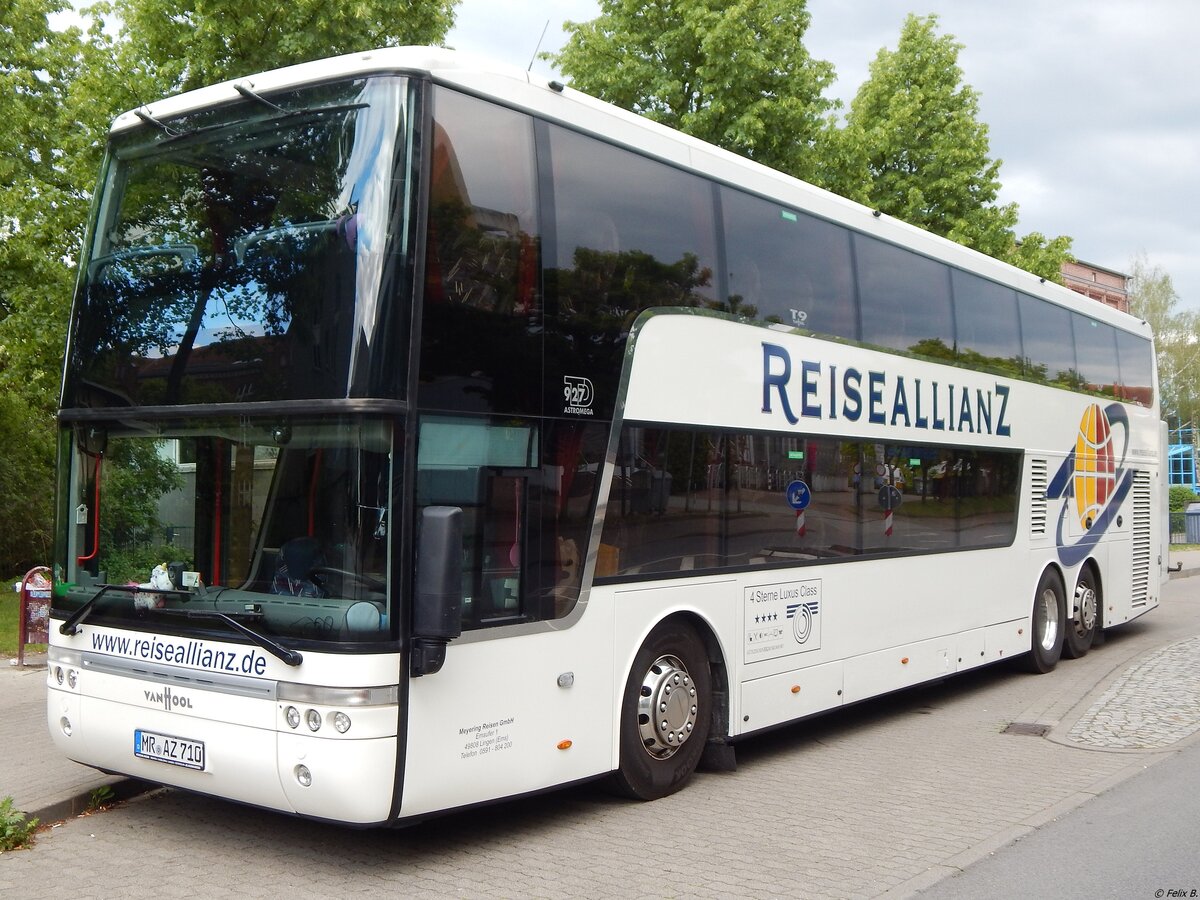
{"points": [[165, 748]]}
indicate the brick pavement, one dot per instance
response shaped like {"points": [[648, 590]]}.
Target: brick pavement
{"points": [[878, 800], [1152, 705], [41, 781]]}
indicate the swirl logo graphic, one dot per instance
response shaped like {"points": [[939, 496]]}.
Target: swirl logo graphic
{"points": [[1096, 479], [802, 622], [802, 616], [1095, 465]]}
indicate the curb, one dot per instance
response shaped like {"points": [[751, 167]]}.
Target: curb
{"points": [[72, 807]]}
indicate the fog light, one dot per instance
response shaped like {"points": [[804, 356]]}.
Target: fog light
{"points": [[341, 722], [303, 776], [58, 674], [72, 678], [314, 720], [293, 717], [65, 724]]}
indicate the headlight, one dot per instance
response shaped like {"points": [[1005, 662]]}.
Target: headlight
{"points": [[341, 722], [314, 720], [293, 717]]}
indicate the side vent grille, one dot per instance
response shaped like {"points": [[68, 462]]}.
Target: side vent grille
{"points": [[1037, 507], [1140, 569]]}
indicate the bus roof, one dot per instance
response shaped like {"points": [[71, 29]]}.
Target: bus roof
{"points": [[552, 100]]}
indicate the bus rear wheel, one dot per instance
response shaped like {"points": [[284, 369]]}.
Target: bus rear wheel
{"points": [[1049, 617], [1084, 620], [665, 714]]}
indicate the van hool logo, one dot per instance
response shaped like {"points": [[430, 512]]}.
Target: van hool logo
{"points": [[169, 699], [1094, 477], [577, 395]]}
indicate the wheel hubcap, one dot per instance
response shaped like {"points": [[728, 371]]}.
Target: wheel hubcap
{"points": [[666, 707], [1085, 607], [1047, 619]]}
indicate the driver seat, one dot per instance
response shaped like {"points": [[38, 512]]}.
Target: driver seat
{"points": [[294, 573]]}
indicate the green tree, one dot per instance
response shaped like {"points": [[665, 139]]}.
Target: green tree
{"points": [[1152, 297], [914, 148], [41, 220], [37, 246], [135, 478], [58, 93], [1179, 496], [179, 45], [735, 74]]}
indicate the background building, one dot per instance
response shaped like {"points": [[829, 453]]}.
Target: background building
{"points": [[1104, 285]]}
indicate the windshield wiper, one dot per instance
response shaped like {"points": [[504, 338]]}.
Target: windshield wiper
{"points": [[291, 657], [172, 136], [251, 95], [71, 626], [160, 125]]}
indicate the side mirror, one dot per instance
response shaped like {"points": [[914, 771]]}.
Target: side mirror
{"points": [[437, 603]]}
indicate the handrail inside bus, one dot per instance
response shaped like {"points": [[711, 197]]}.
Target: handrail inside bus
{"points": [[80, 560]]}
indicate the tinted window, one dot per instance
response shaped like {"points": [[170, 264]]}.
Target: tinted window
{"points": [[685, 500], [905, 300], [987, 328], [630, 234], [785, 266], [525, 487], [1137, 368], [289, 517], [1096, 355], [1048, 341], [249, 256], [481, 338]]}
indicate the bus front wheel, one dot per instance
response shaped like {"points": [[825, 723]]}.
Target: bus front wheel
{"points": [[1084, 620], [665, 714], [1049, 619]]}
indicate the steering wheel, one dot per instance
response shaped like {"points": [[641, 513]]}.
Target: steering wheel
{"points": [[366, 581]]}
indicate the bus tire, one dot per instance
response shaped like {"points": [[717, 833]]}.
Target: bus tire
{"points": [[1084, 620], [1047, 624], [666, 712]]}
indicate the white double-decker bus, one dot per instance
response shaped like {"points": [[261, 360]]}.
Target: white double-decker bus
{"points": [[432, 435]]}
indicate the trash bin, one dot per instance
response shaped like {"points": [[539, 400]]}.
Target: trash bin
{"points": [[1192, 523]]}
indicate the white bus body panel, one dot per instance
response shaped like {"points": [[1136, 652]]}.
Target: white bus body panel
{"points": [[887, 623], [251, 753], [491, 722]]}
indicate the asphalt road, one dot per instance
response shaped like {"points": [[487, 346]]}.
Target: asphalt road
{"points": [[1139, 840]]}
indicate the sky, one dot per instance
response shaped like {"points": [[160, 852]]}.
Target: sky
{"points": [[1092, 105]]}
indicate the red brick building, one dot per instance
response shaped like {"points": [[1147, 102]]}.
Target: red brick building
{"points": [[1104, 285]]}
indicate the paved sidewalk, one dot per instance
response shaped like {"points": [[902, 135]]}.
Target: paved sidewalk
{"points": [[42, 782], [46, 785]]}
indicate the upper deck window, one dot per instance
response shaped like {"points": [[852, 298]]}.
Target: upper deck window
{"points": [[481, 332], [242, 253]]}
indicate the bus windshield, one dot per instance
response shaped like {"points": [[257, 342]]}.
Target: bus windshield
{"points": [[243, 253], [283, 518]]}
